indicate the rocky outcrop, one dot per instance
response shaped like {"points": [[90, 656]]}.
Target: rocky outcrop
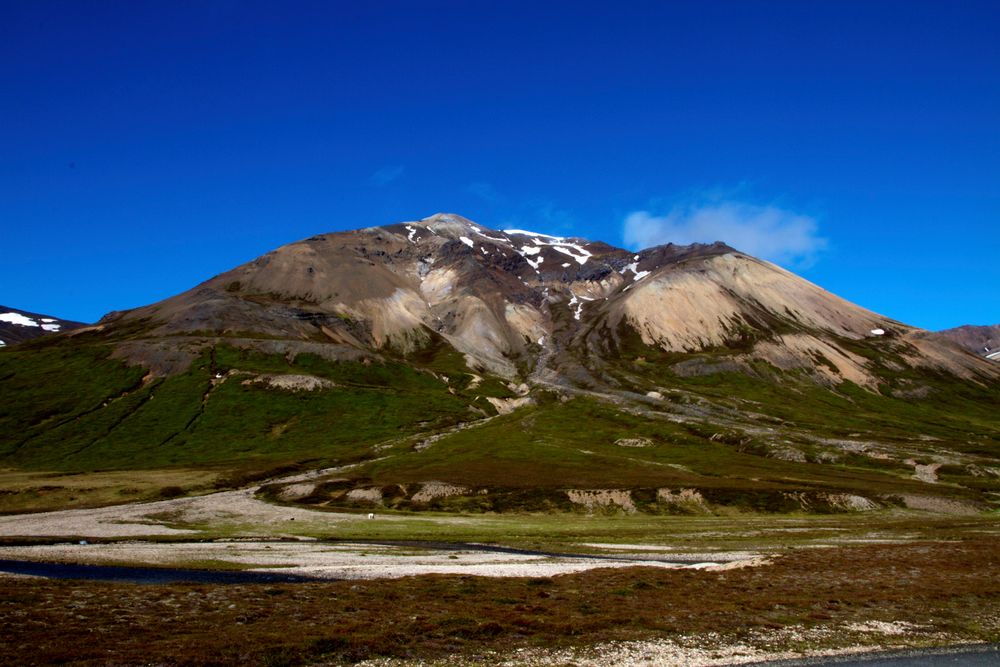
{"points": [[592, 499]]}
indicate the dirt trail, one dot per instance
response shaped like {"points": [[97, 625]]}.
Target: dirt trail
{"points": [[426, 442], [156, 518]]}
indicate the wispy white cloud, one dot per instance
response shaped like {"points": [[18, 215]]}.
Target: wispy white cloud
{"points": [[386, 175], [485, 191], [554, 217], [540, 215], [513, 211], [768, 232]]}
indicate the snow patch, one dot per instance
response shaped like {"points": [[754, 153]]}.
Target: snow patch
{"points": [[496, 239], [577, 252], [467, 241], [523, 232], [634, 268], [565, 265], [50, 327], [412, 231], [581, 254], [567, 249], [578, 310], [878, 332], [531, 250], [19, 319]]}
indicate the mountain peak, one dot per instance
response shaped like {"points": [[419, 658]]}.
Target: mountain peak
{"points": [[447, 223], [447, 218]]}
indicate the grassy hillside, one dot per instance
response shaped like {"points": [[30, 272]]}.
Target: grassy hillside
{"points": [[71, 407], [527, 461], [752, 440]]}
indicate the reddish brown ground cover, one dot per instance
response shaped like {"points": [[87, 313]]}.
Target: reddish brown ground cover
{"points": [[946, 587]]}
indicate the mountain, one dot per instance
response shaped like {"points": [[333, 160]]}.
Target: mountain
{"points": [[19, 325], [505, 369], [520, 304], [982, 340]]}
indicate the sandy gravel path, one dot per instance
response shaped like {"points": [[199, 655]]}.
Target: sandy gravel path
{"points": [[149, 519], [336, 561]]}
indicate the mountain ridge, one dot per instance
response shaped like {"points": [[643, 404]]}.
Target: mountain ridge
{"points": [[497, 296], [983, 340], [18, 325]]}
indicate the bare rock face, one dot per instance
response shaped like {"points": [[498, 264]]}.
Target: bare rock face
{"points": [[592, 499], [531, 307], [634, 442], [981, 340]]}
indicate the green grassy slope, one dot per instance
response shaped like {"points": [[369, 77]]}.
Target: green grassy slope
{"points": [[528, 459], [748, 439], [73, 408]]}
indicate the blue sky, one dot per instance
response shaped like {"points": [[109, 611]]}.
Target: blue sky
{"points": [[146, 146]]}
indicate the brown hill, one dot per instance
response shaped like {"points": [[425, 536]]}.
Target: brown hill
{"points": [[524, 305]]}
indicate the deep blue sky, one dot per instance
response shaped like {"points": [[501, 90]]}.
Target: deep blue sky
{"points": [[146, 146]]}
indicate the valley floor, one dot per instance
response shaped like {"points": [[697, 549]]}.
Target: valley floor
{"points": [[404, 589], [809, 602]]}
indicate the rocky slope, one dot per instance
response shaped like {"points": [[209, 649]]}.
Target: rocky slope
{"points": [[982, 340]]}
